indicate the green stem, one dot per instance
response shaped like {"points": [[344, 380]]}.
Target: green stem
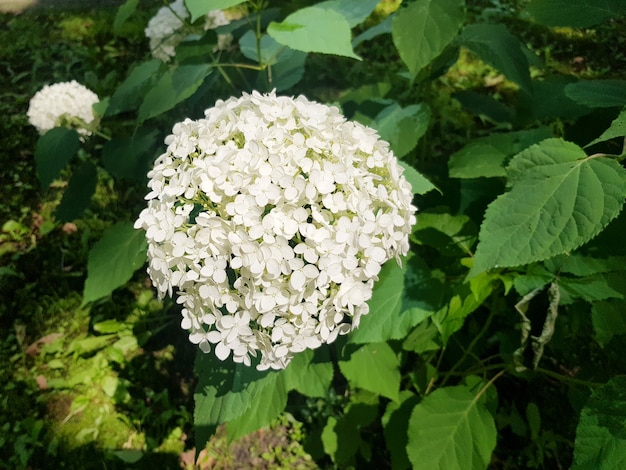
{"points": [[565, 378]]}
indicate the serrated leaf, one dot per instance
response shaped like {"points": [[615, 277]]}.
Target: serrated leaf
{"points": [[617, 129], [485, 157], [373, 367], [496, 46], [310, 373], [601, 432], [129, 94], [124, 12], [575, 13], [419, 184], [609, 319], [451, 430], [77, 195], [402, 127], [590, 288], [53, 152], [598, 93], [113, 260], [423, 29], [354, 12], [198, 8], [314, 29], [173, 87], [402, 298], [559, 200], [130, 157], [395, 423]]}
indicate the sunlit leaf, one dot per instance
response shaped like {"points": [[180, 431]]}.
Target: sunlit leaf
{"points": [[559, 200], [198, 8], [450, 429], [423, 29], [314, 29], [373, 367]]}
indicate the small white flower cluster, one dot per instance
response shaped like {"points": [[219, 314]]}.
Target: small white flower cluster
{"points": [[271, 219], [166, 29], [67, 104]]}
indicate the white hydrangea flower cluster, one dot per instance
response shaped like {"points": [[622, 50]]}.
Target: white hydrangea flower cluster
{"points": [[271, 219], [68, 104], [166, 29]]}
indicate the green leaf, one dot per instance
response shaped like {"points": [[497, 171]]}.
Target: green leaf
{"points": [[130, 157], [450, 429], [549, 101], [395, 423], [598, 93], [174, 86], [575, 13], [314, 29], [113, 260], [384, 27], [423, 29], [373, 367], [354, 12], [559, 200], [451, 235], [485, 106], [225, 391], [269, 402], [419, 184], [402, 298], [124, 12], [198, 8], [402, 127], [601, 432], [130, 93], [53, 151], [77, 196], [496, 46], [617, 129], [485, 157], [609, 319], [310, 373]]}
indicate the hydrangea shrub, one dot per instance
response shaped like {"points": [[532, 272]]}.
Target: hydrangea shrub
{"points": [[271, 218]]}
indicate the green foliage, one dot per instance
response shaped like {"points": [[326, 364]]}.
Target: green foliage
{"points": [[510, 300], [600, 439], [113, 260]]}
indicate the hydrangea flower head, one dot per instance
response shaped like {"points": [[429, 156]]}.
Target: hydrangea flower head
{"points": [[68, 104], [271, 219], [166, 29]]}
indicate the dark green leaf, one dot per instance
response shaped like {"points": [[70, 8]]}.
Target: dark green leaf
{"points": [[354, 12], [395, 423], [598, 93], [402, 127], [485, 157], [113, 260], [575, 13], [497, 47], [422, 30], [310, 373], [129, 94], [601, 433], [124, 12], [130, 157], [384, 27], [77, 196], [173, 87], [609, 319], [53, 151], [617, 130]]}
